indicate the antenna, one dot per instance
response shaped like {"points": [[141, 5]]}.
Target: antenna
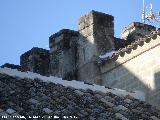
{"points": [[143, 12], [150, 17]]}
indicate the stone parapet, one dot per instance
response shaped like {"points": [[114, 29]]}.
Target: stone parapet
{"points": [[136, 30], [61, 40], [63, 53], [35, 60], [101, 27]]}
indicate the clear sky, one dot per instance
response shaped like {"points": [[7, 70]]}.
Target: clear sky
{"points": [[29, 23]]}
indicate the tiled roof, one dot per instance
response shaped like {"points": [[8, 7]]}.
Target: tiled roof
{"points": [[128, 48], [46, 100]]}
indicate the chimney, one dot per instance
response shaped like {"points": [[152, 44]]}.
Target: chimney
{"points": [[98, 29], [96, 38]]}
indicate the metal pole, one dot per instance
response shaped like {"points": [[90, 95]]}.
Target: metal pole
{"points": [[143, 13]]}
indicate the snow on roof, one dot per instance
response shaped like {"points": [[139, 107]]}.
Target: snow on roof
{"points": [[108, 54], [75, 84]]}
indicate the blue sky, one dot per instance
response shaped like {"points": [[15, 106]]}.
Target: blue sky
{"points": [[28, 23]]}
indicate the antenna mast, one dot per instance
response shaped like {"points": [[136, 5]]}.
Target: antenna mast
{"points": [[143, 12], [150, 16]]}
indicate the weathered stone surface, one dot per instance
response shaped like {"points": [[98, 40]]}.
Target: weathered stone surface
{"points": [[35, 60], [136, 30], [63, 54], [96, 37]]}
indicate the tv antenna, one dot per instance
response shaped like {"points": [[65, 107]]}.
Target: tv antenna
{"points": [[150, 16]]}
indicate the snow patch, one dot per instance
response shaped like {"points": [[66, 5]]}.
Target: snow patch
{"points": [[75, 84], [108, 54]]}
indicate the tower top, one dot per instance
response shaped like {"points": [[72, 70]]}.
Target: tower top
{"points": [[94, 17]]}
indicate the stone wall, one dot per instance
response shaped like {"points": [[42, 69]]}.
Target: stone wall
{"points": [[63, 54], [138, 70], [36, 60]]}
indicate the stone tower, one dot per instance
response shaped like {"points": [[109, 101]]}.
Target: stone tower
{"points": [[96, 38], [63, 50]]}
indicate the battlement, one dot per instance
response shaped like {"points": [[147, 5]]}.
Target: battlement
{"points": [[136, 30], [96, 18], [97, 29], [63, 50], [35, 50], [138, 25], [62, 39], [35, 60], [63, 31]]}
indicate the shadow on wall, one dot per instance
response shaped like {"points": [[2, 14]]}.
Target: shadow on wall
{"points": [[86, 67], [135, 73], [95, 32]]}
